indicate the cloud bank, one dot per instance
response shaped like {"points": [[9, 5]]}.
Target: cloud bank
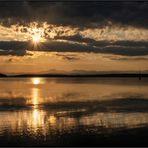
{"points": [[79, 14], [124, 48]]}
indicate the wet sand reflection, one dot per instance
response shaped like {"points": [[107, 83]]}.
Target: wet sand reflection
{"points": [[40, 109]]}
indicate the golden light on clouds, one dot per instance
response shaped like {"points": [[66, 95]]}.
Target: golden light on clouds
{"points": [[45, 57], [115, 33], [41, 31]]}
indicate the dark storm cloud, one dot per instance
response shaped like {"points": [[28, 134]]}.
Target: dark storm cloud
{"points": [[80, 14], [102, 43], [95, 48], [13, 48], [124, 48], [13, 52]]}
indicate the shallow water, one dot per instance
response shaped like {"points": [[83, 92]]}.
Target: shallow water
{"points": [[66, 111]]}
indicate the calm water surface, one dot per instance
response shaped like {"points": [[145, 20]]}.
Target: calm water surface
{"points": [[68, 111]]}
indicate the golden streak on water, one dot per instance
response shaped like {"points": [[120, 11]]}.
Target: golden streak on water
{"points": [[35, 95], [37, 115]]}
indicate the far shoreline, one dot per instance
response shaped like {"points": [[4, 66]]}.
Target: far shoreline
{"points": [[115, 75]]}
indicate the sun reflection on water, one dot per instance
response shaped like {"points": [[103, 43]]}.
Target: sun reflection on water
{"points": [[36, 81]]}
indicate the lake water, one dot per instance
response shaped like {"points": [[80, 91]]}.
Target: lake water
{"points": [[73, 111]]}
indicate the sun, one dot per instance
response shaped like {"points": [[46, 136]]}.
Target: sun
{"points": [[36, 38], [36, 32]]}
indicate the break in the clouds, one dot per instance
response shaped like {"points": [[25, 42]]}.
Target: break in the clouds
{"points": [[61, 34]]}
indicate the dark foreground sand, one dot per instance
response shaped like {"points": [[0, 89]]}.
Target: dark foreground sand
{"points": [[81, 137]]}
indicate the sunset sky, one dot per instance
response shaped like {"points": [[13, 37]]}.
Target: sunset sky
{"points": [[81, 37]]}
